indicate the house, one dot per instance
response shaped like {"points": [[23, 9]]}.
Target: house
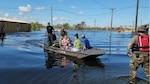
{"points": [[11, 26]]}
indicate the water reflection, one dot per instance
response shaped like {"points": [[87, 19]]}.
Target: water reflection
{"points": [[62, 61], [50, 60], [53, 59], [2, 43]]}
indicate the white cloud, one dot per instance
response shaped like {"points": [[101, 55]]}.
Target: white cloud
{"points": [[44, 23], [80, 13], [19, 19], [21, 13], [73, 7], [14, 18], [25, 18], [6, 15], [28, 8], [33, 19], [40, 8], [64, 18], [55, 18]]}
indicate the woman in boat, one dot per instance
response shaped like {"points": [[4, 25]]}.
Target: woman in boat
{"points": [[77, 44], [64, 42]]}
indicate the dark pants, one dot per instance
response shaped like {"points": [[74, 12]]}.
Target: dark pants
{"points": [[2, 35], [50, 39]]}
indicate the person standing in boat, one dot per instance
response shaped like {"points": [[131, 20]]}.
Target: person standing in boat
{"points": [[85, 43], [50, 31], [77, 44]]}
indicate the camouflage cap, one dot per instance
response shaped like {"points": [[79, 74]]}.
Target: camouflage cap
{"points": [[141, 28]]}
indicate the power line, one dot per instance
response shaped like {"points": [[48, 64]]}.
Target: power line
{"points": [[69, 12]]}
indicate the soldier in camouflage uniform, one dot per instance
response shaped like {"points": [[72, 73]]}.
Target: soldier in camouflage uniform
{"points": [[137, 59]]}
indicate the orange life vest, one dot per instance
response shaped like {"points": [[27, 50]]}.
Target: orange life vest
{"points": [[143, 43]]}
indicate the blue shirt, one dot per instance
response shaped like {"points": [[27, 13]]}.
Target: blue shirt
{"points": [[86, 42]]}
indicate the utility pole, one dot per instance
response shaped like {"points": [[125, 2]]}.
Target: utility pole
{"points": [[133, 23], [112, 9], [95, 23], [136, 19], [51, 15]]}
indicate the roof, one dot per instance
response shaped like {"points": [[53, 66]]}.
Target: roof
{"points": [[12, 20]]}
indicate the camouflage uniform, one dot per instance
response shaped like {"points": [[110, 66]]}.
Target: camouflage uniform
{"points": [[136, 60]]}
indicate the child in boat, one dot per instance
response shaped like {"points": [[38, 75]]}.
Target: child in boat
{"points": [[70, 45], [64, 42]]}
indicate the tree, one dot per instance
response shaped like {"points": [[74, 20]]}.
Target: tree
{"points": [[66, 26], [80, 26], [36, 26]]}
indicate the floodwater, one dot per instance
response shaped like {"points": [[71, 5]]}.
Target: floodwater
{"points": [[23, 62]]}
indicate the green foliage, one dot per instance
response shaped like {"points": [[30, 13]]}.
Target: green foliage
{"points": [[66, 26], [36, 26], [82, 26]]}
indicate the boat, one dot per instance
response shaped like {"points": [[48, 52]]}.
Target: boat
{"points": [[53, 59], [93, 52]]}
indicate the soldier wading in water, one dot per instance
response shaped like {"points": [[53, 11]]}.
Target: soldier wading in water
{"points": [[140, 53]]}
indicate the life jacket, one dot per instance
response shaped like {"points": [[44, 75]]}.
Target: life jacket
{"points": [[143, 43]]}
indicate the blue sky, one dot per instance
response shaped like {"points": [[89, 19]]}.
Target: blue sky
{"points": [[92, 12]]}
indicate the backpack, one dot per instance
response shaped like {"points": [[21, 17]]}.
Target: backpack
{"points": [[143, 43], [54, 37]]}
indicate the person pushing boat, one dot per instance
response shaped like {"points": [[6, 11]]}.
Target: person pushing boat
{"points": [[50, 31]]}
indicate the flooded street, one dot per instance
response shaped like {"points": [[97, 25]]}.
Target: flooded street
{"points": [[23, 62]]}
